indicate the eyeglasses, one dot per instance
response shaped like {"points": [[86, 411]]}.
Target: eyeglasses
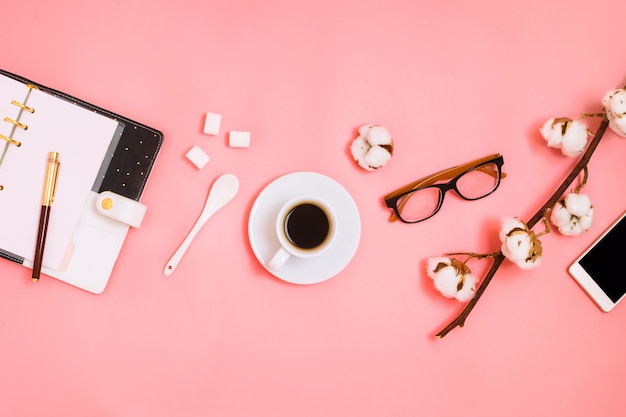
{"points": [[423, 198]]}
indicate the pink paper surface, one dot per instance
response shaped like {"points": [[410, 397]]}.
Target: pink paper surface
{"points": [[452, 81]]}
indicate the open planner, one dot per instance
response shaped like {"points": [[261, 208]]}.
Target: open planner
{"points": [[105, 162]]}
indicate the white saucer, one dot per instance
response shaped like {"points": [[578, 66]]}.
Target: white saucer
{"points": [[262, 229]]}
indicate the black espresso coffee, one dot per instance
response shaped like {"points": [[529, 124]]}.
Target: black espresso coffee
{"points": [[307, 225]]}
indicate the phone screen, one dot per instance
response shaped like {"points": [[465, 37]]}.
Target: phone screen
{"points": [[603, 262]]}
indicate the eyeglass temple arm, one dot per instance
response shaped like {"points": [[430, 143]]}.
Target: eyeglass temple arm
{"points": [[442, 175]]}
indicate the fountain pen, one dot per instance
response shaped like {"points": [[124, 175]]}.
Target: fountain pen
{"points": [[52, 171]]}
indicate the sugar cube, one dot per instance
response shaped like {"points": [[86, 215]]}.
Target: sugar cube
{"points": [[198, 157], [238, 139], [212, 123]]}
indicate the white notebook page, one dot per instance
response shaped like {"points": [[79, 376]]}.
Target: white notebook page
{"points": [[81, 137]]}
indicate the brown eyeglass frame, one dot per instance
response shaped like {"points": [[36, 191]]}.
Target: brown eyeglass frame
{"points": [[452, 174]]}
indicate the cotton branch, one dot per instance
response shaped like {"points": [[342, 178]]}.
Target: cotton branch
{"points": [[499, 257]]}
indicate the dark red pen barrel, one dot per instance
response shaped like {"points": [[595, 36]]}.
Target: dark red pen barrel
{"points": [[41, 240]]}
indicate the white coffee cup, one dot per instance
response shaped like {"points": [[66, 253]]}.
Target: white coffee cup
{"points": [[306, 226]]}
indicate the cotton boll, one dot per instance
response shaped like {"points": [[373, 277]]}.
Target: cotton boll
{"points": [[618, 103], [372, 148], [519, 244], [587, 220], [562, 219], [614, 103], [551, 134], [571, 229], [469, 289], [577, 225], [572, 215], [606, 101], [578, 204], [559, 215], [446, 282], [517, 247], [443, 275], [364, 129], [448, 275], [434, 264], [508, 224], [377, 157], [378, 135], [575, 139], [618, 125], [567, 134], [359, 150]]}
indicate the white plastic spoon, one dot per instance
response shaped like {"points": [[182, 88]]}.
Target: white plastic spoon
{"points": [[222, 191]]}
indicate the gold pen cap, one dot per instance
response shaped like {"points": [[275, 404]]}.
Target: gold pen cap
{"points": [[52, 171]]}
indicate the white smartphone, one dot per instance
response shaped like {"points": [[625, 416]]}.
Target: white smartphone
{"points": [[599, 271]]}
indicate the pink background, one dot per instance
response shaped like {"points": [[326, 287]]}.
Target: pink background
{"points": [[453, 81]]}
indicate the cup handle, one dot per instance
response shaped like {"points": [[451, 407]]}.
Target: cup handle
{"points": [[279, 259]]}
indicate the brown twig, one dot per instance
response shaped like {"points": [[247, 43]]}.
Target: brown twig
{"points": [[583, 182], [459, 321]]}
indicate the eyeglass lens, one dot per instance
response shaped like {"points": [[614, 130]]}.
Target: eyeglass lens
{"points": [[472, 185]]}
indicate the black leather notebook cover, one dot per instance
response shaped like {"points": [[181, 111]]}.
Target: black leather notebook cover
{"points": [[135, 152]]}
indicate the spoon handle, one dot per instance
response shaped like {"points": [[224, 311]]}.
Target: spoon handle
{"points": [[222, 191], [178, 255]]}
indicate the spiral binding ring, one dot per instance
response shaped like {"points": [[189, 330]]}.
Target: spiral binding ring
{"points": [[16, 123], [23, 106], [10, 140]]}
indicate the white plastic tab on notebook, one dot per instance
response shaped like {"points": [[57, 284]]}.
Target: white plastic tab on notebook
{"points": [[121, 208]]}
